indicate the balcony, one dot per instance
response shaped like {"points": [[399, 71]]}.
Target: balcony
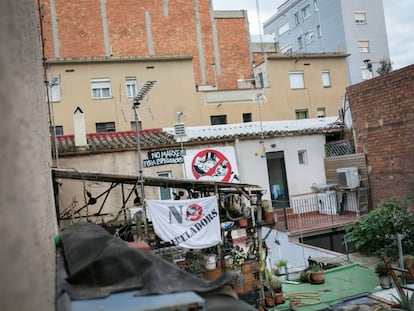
{"points": [[318, 211]]}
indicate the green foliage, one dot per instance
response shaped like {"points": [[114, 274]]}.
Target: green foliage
{"points": [[385, 67], [281, 263], [409, 260], [315, 268], [266, 206], [196, 262], [375, 233], [382, 269], [406, 303], [276, 285]]}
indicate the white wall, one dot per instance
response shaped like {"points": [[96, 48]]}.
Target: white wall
{"points": [[253, 168], [296, 254]]}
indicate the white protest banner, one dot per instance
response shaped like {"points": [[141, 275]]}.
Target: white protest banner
{"points": [[188, 223]]}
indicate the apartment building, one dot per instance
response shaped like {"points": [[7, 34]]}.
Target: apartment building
{"points": [[323, 26], [303, 86], [203, 68], [300, 87]]}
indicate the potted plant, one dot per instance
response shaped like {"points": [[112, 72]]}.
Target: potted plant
{"points": [[282, 263], [269, 299], [268, 294], [409, 265], [267, 212], [406, 302], [383, 273], [316, 275], [276, 287], [196, 263]]}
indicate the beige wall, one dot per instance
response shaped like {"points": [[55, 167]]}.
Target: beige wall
{"points": [[282, 101], [174, 92], [27, 222]]}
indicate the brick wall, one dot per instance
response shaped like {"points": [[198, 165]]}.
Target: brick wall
{"points": [[172, 25], [383, 120]]}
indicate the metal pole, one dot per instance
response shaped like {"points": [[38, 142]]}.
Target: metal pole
{"points": [[400, 255], [261, 125], [53, 125], [140, 172]]}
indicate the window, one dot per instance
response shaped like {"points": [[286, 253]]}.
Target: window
{"points": [[131, 87], [284, 28], [309, 37], [326, 78], [247, 117], [165, 193], [360, 18], [306, 12], [101, 88], [296, 80], [321, 112], [54, 89], [296, 18], [261, 81], [58, 128], [302, 157], [302, 114], [363, 46], [221, 119], [300, 44], [287, 49], [316, 5], [319, 31], [105, 127]]}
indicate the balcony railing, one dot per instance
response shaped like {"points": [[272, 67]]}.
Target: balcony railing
{"points": [[317, 211], [339, 148]]}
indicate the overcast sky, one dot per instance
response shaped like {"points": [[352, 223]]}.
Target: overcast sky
{"points": [[399, 21]]}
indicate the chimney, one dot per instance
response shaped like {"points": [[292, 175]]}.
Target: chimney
{"points": [[80, 131]]}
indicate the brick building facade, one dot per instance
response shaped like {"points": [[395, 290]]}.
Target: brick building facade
{"points": [[383, 122], [218, 41]]}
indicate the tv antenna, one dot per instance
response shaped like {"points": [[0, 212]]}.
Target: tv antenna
{"points": [[143, 91]]}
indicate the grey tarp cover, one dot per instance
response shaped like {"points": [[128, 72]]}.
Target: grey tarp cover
{"points": [[99, 264]]}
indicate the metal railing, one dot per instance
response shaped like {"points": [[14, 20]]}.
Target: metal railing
{"points": [[317, 211]]}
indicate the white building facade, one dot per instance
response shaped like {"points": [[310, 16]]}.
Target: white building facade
{"points": [[323, 26]]}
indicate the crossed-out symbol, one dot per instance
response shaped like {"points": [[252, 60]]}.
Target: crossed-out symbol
{"points": [[211, 163], [194, 212]]}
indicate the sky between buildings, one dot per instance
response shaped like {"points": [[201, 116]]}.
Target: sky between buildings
{"points": [[398, 18]]}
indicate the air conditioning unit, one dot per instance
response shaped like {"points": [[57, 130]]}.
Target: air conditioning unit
{"points": [[348, 177]]}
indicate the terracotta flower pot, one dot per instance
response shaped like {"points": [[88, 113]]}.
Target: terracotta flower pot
{"points": [[242, 222], [268, 216], [317, 277], [270, 301], [278, 298]]}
